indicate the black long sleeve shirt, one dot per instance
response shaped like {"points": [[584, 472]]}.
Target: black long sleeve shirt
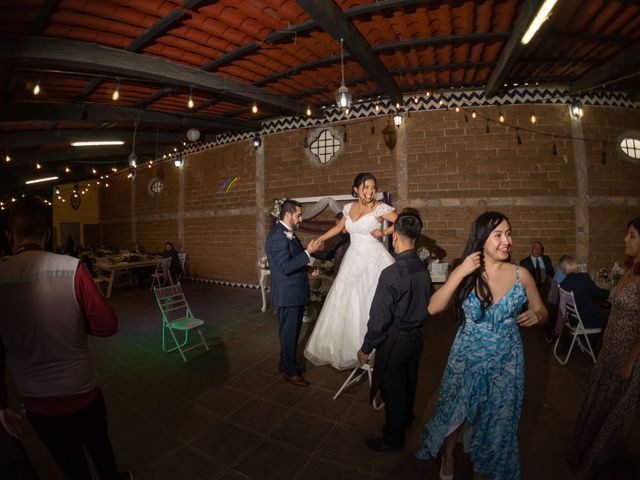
{"points": [[401, 298]]}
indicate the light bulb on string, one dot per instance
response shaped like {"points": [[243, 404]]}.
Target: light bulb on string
{"points": [[533, 118], [254, 108], [7, 157], [116, 93], [501, 117], [474, 115], [308, 112], [38, 166], [377, 107], [67, 169], [36, 88], [190, 102], [94, 171], [457, 109]]}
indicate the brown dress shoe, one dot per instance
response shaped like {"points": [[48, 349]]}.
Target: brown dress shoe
{"points": [[297, 380]]}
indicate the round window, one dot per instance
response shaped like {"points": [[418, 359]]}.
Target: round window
{"points": [[155, 186], [630, 147]]}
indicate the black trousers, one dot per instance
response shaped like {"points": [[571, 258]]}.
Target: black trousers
{"points": [[398, 386], [290, 320], [66, 435]]}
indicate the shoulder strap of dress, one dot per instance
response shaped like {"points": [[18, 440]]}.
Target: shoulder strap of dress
{"points": [[517, 273]]}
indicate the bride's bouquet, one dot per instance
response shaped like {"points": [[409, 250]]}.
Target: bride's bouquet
{"points": [[616, 273]]}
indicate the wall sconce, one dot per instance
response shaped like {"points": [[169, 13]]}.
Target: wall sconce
{"points": [[390, 136], [257, 141], [177, 162], [576, 109], [397, 119]]}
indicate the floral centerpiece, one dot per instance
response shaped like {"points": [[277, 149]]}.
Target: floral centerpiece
{"points": [[263, 263], [275, 209]]}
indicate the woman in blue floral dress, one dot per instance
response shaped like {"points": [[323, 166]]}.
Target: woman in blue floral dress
{"points": [[482, 385]]}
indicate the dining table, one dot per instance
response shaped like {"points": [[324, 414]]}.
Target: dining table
{"points": [[110, 267]]}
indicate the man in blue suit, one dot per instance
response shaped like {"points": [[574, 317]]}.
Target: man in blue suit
{"points": [[288, 261]]}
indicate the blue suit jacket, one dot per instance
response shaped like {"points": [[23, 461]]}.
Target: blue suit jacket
{"points": [[287, 261], [585, 291]]}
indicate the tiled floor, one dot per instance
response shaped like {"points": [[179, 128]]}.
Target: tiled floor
{"points": [[228, 414]]}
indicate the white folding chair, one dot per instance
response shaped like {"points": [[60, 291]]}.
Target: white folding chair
{"points": [[183, 260], [573, 323], [177, 315], [162, 276]]}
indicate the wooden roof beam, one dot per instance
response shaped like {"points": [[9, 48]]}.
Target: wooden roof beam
{"points": [[624, 64], [513, 49], [330, 17], [74, 54], [96, 114]]}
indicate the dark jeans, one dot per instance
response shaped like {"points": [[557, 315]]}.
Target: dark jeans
{"points": [[66, 435], [398, 386]]}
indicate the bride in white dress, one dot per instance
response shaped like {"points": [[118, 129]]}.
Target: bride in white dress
{"points": [[342, 324]]}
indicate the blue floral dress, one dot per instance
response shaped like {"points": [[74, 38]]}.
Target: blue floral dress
{"points": [[482, 384]]}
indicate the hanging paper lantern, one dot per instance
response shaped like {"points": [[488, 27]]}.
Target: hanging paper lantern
{"points": [[193, 134]]}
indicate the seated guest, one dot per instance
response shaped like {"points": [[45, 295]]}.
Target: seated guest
{"points": [[336, 247], [171, 252], [561, 273], [538, 264], [137, 248], [585, 292]]}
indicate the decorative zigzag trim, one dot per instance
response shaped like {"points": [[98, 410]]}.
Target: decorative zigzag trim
{"points": [[461, 98], [224, 283]]}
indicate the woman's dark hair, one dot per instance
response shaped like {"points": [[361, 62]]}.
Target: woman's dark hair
{"points": [[635, 223], [168, 243], [480, 231], [359, 180]]}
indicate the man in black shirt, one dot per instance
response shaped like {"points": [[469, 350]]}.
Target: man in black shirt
{"points": [[398, 310]]}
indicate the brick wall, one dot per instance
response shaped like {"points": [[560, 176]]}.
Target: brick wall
{"points": [[455, 170]]}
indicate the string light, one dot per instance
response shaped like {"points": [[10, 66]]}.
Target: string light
{"points": [[38, 166], [190, 102], [308, 112], [254, 108], [116, 93], [67, 169], [533, 118], [7, 158], [94, 171], [427, 94], [377, 107], [501, 117], [457, 109], [474, 114], [36, 88]]}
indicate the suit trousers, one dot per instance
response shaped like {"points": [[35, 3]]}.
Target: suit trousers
{"points": [[398, 385], [66, 435], [290, 320]]}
